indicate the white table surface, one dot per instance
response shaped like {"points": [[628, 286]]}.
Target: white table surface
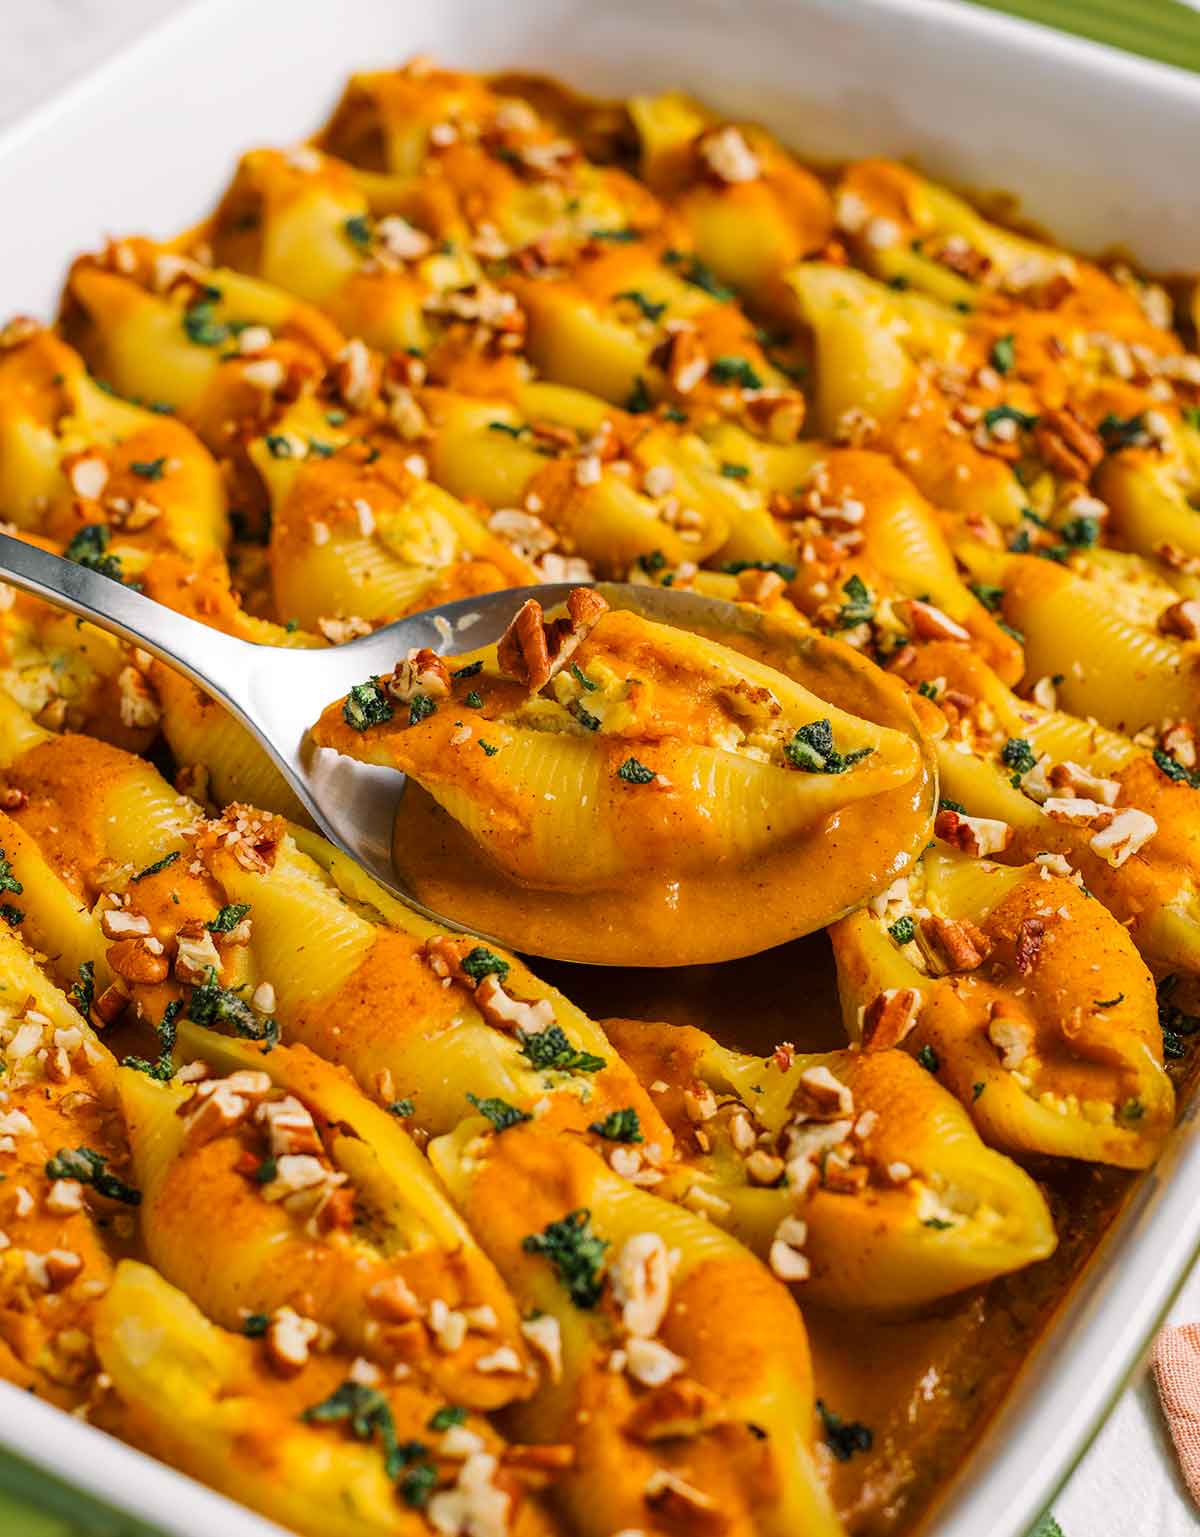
{"points": [[1128, 1483]]}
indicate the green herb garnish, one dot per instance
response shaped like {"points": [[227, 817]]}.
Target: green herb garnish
{"points": [[501, 1114], [91, 1168], [619, 1126], [1017, 755], [734, 370], [150, 469], [8, 881], [447, 1415], [990, 597], [575, 1252], [843, 1437], [368, 1416], [1121, 432], [482, 962], [1175, 770], [903, 931], [780, 567], [89, 548], [648, 308], [200, 323], [635, 773], [228, 918], [549, 1050], [157, 866], [358, 229], [83, 991], [164, 1068], [366, 705], [692, 270], [1004, 354], [1005, 413], [812, 750], [212, 1004], [639, 401], [859, 607], [928, 1058]]}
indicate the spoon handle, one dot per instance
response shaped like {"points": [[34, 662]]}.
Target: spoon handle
{"points": [[212, 659]]}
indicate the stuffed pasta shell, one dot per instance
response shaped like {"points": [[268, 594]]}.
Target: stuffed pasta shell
{"points": [[315, 1446], [327, 1209], [676, 1423], [855, 1174], [1053, 1045], [600, 751]]}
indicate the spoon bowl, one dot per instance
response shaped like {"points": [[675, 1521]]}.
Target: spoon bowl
{"points": [[278, 693]]}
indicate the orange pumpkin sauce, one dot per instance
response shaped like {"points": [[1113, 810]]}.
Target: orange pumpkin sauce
{"points": [[672, 916], [924, 1383]]}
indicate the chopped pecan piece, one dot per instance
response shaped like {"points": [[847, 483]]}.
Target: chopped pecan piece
{"points": [[139, 960], [1182, 619], [547, 1459], [444, 956], [505, 1012], [196, 952], [1082, 782], [974, 835], [138, 703], [682, 357], [929, 623], [727, 156], [532, 650], [287, 1340], [1029, 942], [677, 1408], [759, 586], [392, 1300], [677, 1500], [964, 259], [110, 1005], [252, 837], [778, 414], [964, 946], [1012, 1038], [1179, 739], [889, 1017], [843, 1177], [1067, 444], [423, 672], [1123, 836], [336, 1211], [823, 1093], [291, 1127]]}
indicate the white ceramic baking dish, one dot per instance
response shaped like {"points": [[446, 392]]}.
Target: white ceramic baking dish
{"points": [[1093, 142]]}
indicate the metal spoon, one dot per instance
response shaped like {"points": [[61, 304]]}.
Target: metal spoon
{"points": [[277, 693]]}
